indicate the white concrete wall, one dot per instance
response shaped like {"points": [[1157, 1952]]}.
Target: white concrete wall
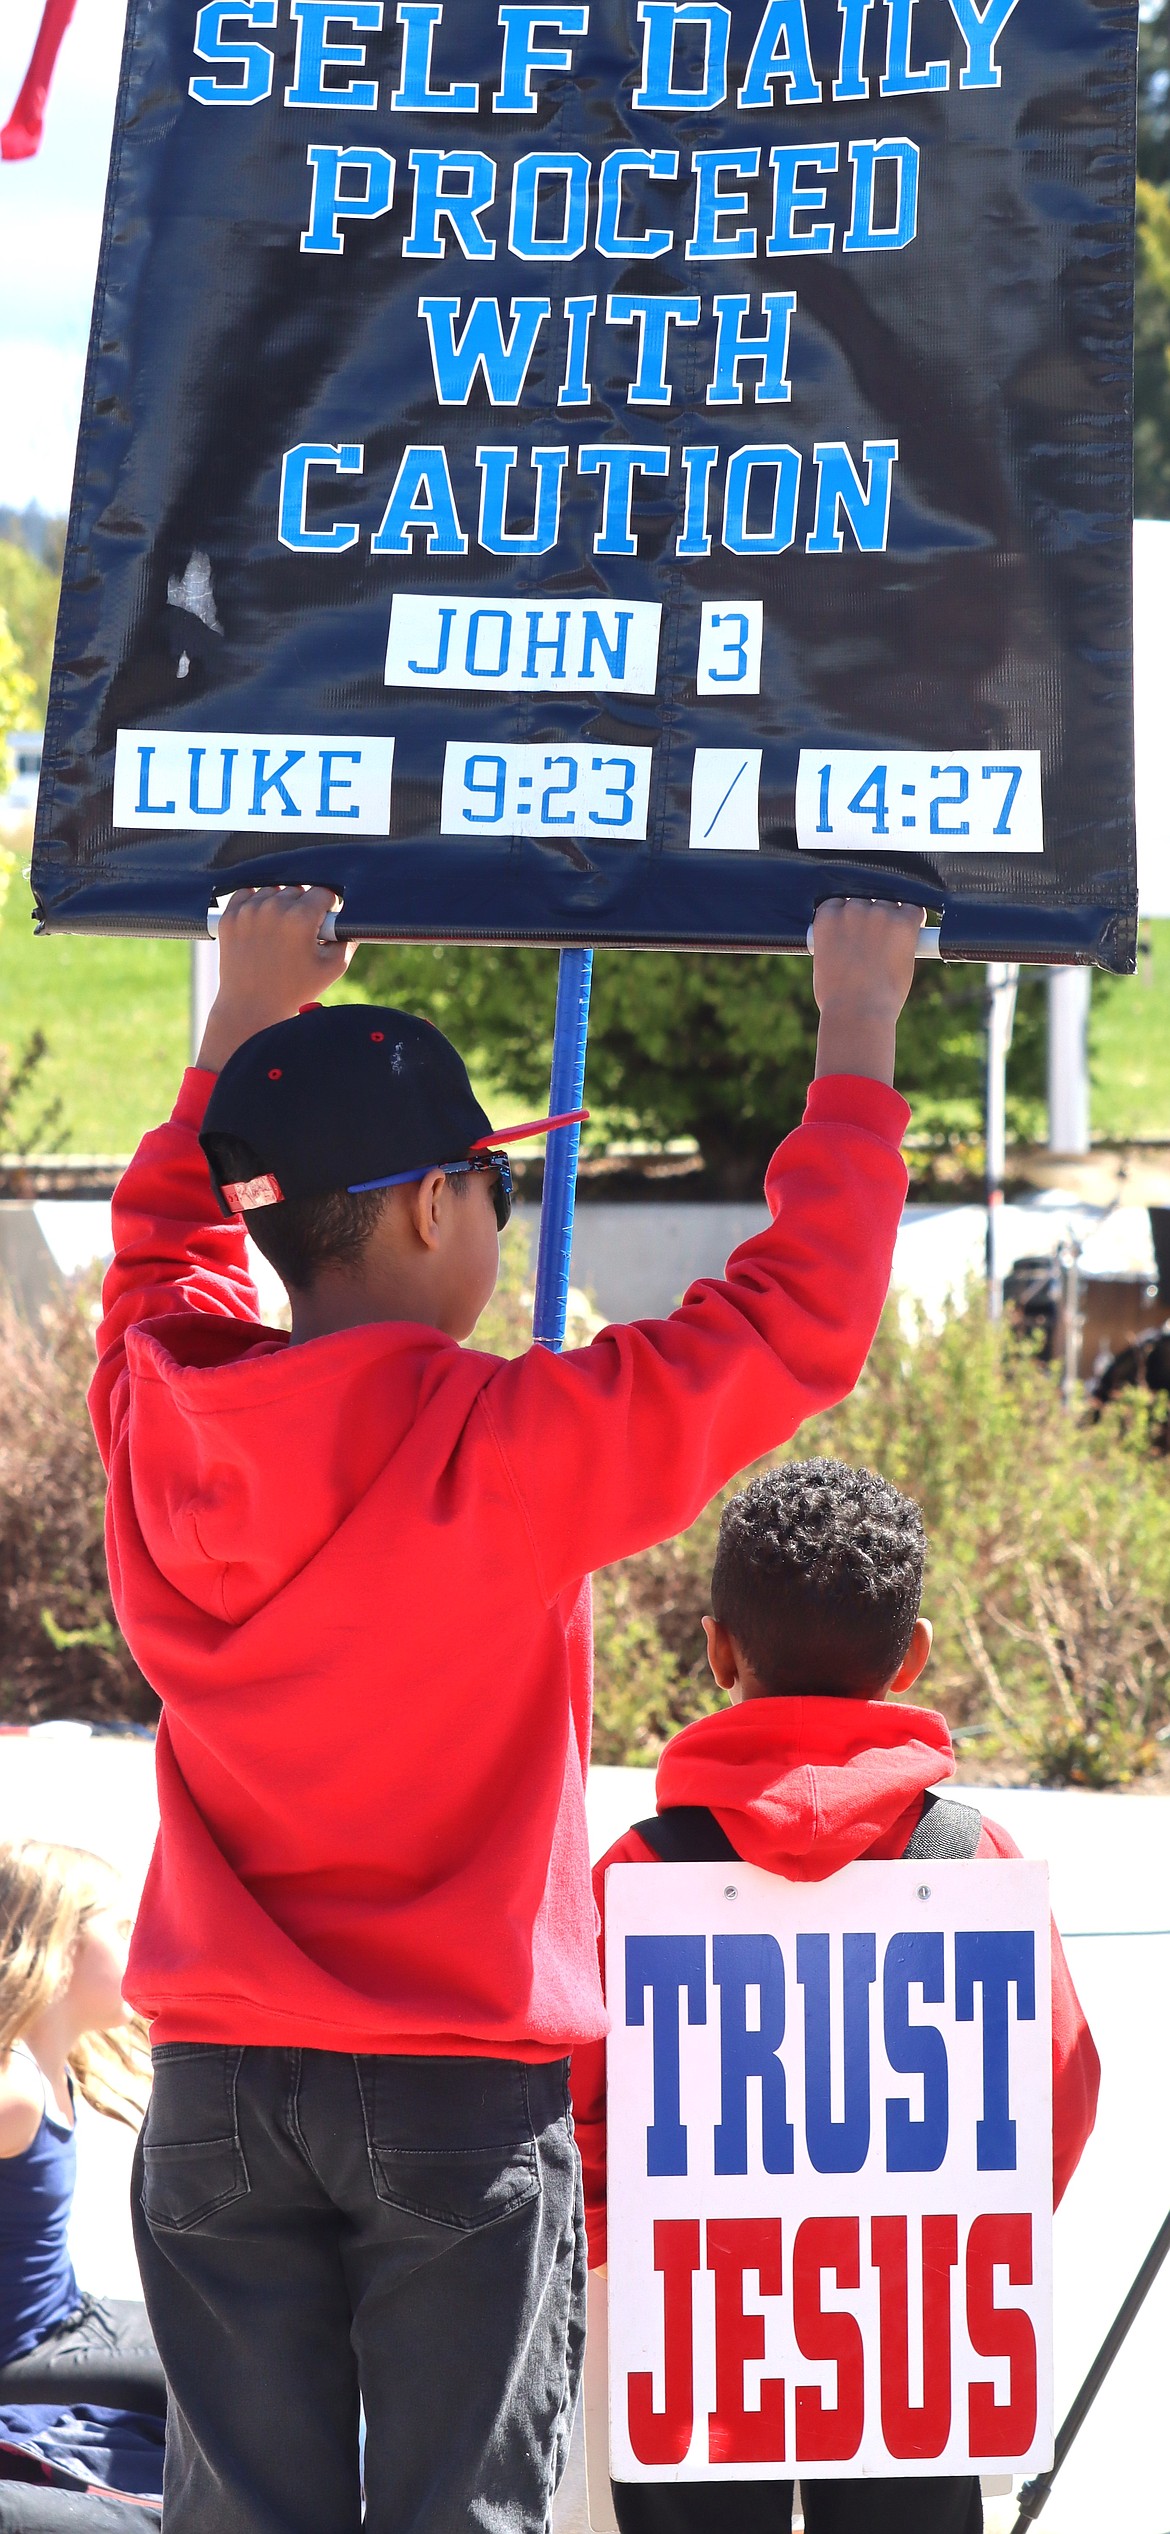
{"points": [[637, 1260]]}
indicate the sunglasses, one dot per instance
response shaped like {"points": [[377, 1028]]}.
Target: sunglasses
{"points": [[497, 1163]]}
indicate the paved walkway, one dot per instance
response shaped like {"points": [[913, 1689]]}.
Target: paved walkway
{"points": [[1110, 1864]]}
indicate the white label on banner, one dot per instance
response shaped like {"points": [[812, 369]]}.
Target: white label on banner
{"points": [[725, 799], [830, 2172], [523, 646], [731, 635], [250, 782], [857, 800], [574, 793]]}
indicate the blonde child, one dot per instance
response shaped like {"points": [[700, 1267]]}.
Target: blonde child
{"points": [[64, 1935]]}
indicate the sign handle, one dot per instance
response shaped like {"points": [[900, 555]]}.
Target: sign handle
{"points": [[570, 1036], [1034, 2495]]}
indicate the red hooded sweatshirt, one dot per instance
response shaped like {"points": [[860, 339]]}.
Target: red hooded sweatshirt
{"points": [[802, 1786], [352, 1570]]}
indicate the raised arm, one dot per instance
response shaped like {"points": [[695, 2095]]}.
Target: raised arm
{"points": [[622, 1443], [173, 1251]]}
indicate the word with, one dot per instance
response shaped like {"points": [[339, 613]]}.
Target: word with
{"points": [[749, 1970], [824, 2432], [481, 349], [686, 56], [761, 494]]}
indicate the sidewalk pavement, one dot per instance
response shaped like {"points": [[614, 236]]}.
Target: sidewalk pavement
{"points": [[1110, 1864]]}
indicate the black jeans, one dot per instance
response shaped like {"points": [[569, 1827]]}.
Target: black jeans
{"points": [[830, 2507], [312, 2228], [105, 2353]]}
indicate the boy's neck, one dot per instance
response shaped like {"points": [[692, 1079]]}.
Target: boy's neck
{"points": [[329, 1308], [841, 1697]]}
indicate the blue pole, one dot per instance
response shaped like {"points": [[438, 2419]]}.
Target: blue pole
{"points": [[570, 1034]]}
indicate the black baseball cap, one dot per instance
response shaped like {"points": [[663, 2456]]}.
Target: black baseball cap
{"points": [[348, 1096]]}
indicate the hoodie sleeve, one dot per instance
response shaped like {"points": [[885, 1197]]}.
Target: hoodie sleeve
{"points": [[173, 1250], [587, 2069], [618, 1444], [1076, 2068]]}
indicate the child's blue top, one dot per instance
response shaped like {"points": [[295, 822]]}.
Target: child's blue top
{"points": [[38, 2289]]}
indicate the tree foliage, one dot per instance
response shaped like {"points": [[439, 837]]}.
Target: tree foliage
{"points": [[1152, 307], [1151, 437], [718, 1048], [29, 590], [16, 692]]}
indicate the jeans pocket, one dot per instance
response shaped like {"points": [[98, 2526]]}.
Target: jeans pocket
{"points": [[450, 2140], [192, 2159]]}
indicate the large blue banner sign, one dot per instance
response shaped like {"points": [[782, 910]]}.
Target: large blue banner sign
{"points": [[612, 470]]}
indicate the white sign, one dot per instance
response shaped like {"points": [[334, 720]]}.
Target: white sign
{"points": [[568, 793], [830, 2172], [250, 782], [725, 800], [899, 801], [524, 646], [731, 638]]}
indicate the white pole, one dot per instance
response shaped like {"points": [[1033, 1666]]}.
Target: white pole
{"points": [[1002, 982], [204, 987], [1069, 992]]}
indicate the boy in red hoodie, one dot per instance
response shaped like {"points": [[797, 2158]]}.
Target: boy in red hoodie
{"points": [[353, 1561], [816, 1625]]}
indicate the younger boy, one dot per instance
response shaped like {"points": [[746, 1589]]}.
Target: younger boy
{"points": [[815, 1625], [351, 1560]]}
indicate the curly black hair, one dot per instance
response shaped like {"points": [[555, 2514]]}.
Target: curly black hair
{"points": [[818, 1578]]}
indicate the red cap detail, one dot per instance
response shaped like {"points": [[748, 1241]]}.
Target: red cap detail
{"points": [[307, 1007], [274, 1073], [246, 1196], [378, 1036], [536, 1126]]}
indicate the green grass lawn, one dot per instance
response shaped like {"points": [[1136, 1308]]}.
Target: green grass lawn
{"points": [[115, 1014], [1130, 1047], [116, 1018]]}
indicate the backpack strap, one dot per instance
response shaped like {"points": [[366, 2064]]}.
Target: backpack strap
{"points": [[945, 1830], [687, 1835], [690, 1835]]}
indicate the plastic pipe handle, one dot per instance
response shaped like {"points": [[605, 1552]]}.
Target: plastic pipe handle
{"points": [[328, 930]]}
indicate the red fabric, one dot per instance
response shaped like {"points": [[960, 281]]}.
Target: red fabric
{"points": [[802, 1786], [354, 1572], [21, 137]]}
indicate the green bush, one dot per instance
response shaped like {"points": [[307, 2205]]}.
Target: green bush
{"points": [[1048, 1579], [60, 1650]]}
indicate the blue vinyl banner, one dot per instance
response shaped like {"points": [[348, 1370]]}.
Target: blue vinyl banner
{"points": [[618, 470]]}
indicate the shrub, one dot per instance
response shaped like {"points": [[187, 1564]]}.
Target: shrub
{"points": [[1048, 1579], [61, 1653], [1049, 1571]]}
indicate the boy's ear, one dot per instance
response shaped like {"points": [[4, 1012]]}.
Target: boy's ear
{"points": [[721, 1654], [422, 1205], [915, 1659]]}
